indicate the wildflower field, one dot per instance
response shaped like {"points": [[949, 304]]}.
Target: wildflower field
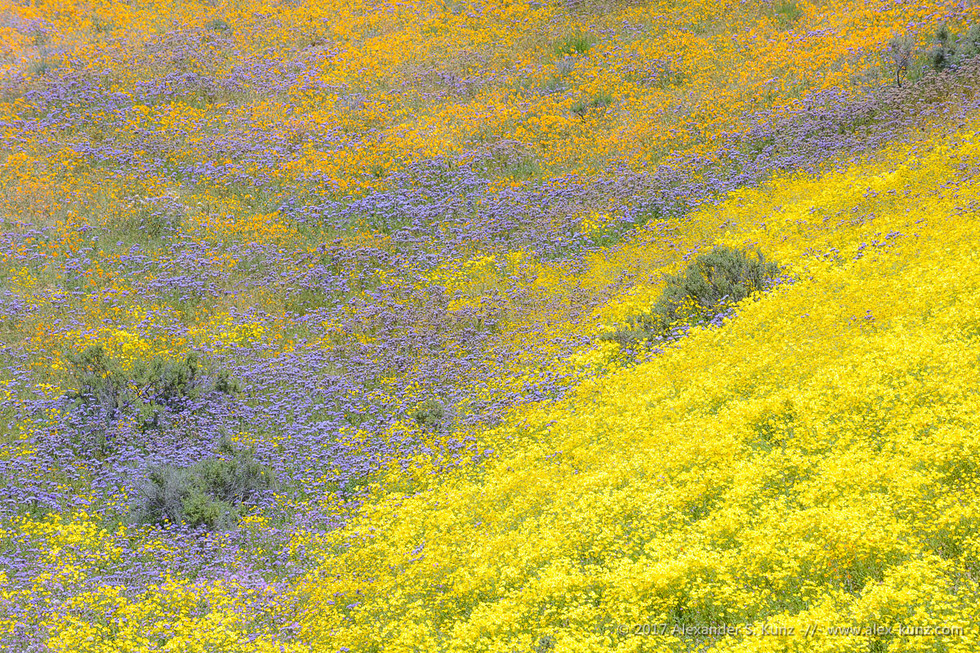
{"points": [[365, 325]]}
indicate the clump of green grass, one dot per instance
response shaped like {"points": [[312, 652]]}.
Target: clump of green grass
{"points": [[787, 12], [522, 169], [306, 300], [209, 494], [39, 67], [703, 291], [577, 43]]}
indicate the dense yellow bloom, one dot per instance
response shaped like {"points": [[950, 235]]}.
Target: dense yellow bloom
{"points": [[793, 453]]}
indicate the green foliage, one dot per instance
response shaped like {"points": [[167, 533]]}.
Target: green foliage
{"points": [[218, 25], [704, 290], [169, 381], [162, 497], [787, 12], [522, 169], [950, 52], [39, 67], [208, 494], [577, 42], [236, 476], [430, 414], [98, 381], [103, 387], [725, 273]]}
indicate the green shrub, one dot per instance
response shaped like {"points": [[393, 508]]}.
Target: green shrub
{"points": [[703, 291], [161, 498], [105, 389], [429, 414], [170, 382], [725, 273], [202, 510], [236, 476], [208, 494], [949, 52], [99, 381]]}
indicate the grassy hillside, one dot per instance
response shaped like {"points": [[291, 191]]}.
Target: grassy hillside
{"points": [[319, 327]]}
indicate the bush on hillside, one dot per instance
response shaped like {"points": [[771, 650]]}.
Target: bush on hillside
{"points": [[430, 414], [950, 52], [699, 294], [99, 383], [208, 494], [104, 389]]}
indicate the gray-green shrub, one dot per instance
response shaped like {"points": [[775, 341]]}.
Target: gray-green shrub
{"points": [[700, 293], [103, 389], [950, 52], [430, 414], [207, 494]]}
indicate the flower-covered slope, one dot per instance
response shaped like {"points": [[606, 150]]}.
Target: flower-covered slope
{"points": [[369, 251]]}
